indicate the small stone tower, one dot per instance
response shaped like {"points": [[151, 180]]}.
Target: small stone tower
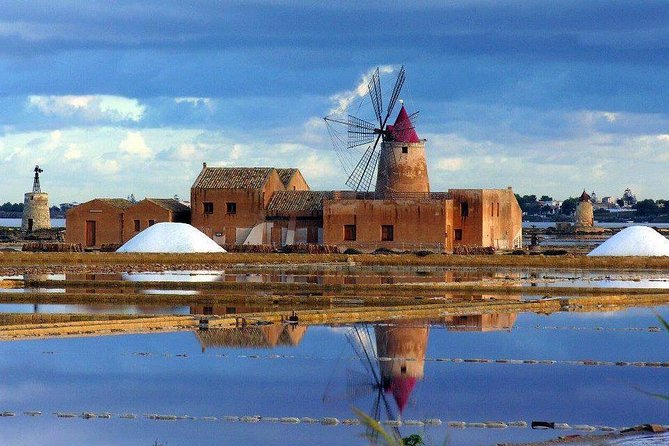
{"points": [[402, 164], [36, 207], [584, 214]]}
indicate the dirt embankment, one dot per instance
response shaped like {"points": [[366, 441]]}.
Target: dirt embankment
{"points": [[129, 261]]}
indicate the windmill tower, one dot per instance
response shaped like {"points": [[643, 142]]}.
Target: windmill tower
{"points": [[36, 207], [393, 151]]}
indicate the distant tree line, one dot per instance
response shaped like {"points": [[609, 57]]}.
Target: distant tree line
{"points": [[14, 210]]}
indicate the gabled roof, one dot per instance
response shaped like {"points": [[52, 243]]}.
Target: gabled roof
{"points": [[232, 177], [403, 129], [286, 174], [298, 201], [169, 204], [120, 203], [584, 196]]}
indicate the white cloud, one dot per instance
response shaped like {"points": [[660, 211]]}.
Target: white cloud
{"points": [[194, 101], [72, 153], [135, 145], [91, 108], [450, 164], [107, 167], [343, 100]]}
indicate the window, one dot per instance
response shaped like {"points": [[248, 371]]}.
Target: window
{"points": [[231, 208], [137, 226], [492, 209], [464, 209], [349, 232], [387, 233], [208, 207], [458, 234], [152, 222], [405, 149], [498, 209]]}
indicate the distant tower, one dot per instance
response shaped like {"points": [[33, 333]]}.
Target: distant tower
{"points": [[584, 214], [402, 164], [36, 207]]}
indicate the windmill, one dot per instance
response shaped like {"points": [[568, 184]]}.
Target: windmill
{"points": [[361, 133], [364, 381]]}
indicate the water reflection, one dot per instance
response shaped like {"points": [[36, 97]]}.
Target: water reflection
{"points": [[265, 336]]}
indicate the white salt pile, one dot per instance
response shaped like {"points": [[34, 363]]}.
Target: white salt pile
{"points": [[170, 237], [634, 241]]}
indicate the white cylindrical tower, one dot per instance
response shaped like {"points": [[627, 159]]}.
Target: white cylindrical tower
{"points": [[36, 207]]}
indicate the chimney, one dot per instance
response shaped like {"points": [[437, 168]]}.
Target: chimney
{"points": [[204, 165]]}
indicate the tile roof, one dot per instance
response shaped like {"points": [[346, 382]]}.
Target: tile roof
{"points": [[298, 201], [232, 178], [286, 174], [170, 204], [120, 203]]}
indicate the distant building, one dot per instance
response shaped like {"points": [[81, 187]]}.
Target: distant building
{"points": [[584, 212], [36, 207]]}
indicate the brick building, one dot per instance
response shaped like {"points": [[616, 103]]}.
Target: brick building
{"points": [[114, 221], [274, 206]]}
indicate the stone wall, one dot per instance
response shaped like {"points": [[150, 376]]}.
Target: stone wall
{"points": [[36, 212]]}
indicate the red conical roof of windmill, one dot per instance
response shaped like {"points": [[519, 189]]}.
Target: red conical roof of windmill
{"points": [[403, 130], [401, 388]]}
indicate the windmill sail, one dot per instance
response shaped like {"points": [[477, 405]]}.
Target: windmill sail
{"points": [[363, 133]]}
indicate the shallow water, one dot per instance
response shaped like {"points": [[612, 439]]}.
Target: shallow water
{"points": [[322, 371]]}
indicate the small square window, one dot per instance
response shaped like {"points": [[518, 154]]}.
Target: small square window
{"points": [[208, 208], [349, 232], [152, 222], [231, 208], [458, 234], [464, 209], [405, 149], [137, 226], [387, 233]]}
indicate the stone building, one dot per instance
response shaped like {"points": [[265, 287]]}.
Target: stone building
{"points": [[36, 207], [584, 215], [114, 221], [275, 206]]}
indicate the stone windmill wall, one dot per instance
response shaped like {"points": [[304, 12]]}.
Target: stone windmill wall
{"points": [[402, 166], [36, 208]]}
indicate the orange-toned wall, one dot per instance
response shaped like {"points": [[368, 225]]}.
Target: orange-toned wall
{"points": [[144, 211], [109, 223], [494, 217], [416, 224], [251, 205], [297, 182]]}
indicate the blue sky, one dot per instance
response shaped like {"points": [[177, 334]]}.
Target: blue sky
{"points": [[113, 98]]}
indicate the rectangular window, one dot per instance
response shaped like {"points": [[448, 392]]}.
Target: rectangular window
{"points": [[152, 222], [137, 226], [387, 233], [464, 209], [349, 232], [458, 234], [208, 207], [492, 209], [498, 209], [405, 149], [231, 208]]}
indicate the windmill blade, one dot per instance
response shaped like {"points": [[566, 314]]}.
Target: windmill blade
{"points": [[363, 173], [358, 384], [360, 132], [374, 87], [396, 91]]}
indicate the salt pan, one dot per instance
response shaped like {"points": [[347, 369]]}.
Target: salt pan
{"points": [[170, 237], [635, 241]]}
